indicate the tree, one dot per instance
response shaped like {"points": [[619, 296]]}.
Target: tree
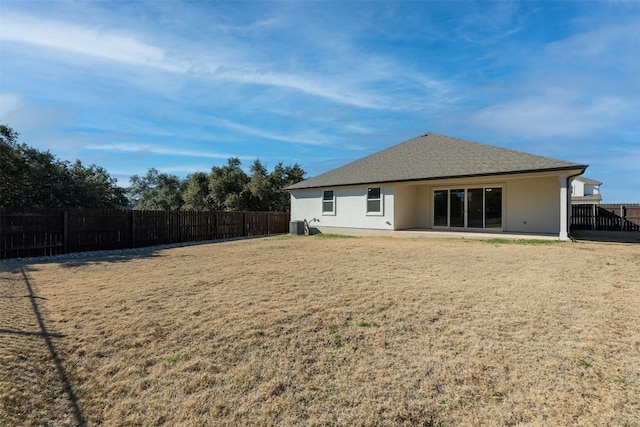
{"points": [[279, 179], [34, 178], [155, 191], [195, 192], [13, 169], [227, 186], [231, 188], [94, 187], [259, 188]]}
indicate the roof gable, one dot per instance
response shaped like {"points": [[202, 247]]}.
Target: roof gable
{"points": [[434, 156]]}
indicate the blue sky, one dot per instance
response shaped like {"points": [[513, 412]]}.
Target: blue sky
{"points": [[184, 85]]}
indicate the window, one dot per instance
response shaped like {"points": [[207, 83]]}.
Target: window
{"points": [[374, 200], [468, 207], [328, 203]]}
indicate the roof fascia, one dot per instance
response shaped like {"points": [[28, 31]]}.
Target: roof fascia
{"points": [[571, 170]]}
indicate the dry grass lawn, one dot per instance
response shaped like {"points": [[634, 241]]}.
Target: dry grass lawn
{"points": [[307, 331]]}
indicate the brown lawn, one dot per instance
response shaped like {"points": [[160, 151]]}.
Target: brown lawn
{"points": [[307, 331]]}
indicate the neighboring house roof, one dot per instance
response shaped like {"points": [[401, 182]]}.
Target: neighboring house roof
{"points": [[588, 181], [434, 156], [591, 198]]}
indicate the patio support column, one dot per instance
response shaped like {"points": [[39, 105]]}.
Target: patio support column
{"points": [[565, 200]]}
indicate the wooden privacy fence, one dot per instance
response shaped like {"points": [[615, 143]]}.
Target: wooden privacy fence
{"points": [[606, 217], [38, 232]]}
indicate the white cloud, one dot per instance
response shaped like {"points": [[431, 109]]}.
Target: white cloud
{"points": [[312, 85], [576, 86], [10, 103], [486, 23], [599, 46], [23, 116], [360, 79], [108, 45], [156, 149], [307, 139], [549, 116]]}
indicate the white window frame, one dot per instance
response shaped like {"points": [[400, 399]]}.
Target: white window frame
{"points": [[333, 202], [381, 199]]}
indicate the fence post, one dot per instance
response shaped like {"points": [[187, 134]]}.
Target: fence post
{"points": [[179, 225], [621, 218], [215, 225], [133, 228], [244, 224], [65, 231]]}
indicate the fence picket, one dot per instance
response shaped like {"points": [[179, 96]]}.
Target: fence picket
{"points": [[28, 232], [606, 217]]}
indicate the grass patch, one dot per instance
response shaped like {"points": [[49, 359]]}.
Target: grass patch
{"points": [[368, 325], [583, 362], [172, 361], [337, 341], [501, 240], [334, 236]]}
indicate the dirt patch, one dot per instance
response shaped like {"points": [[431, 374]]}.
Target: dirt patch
{"points": [[307, 331]]}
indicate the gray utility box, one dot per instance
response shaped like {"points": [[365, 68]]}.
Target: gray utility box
{"points": [[296, 228]]}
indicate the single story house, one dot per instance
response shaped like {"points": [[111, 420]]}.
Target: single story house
{"points": [[585, 191], [442, 183]]}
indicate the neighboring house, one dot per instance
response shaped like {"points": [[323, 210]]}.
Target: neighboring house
{"points": [[585, 191], [438, 182]]}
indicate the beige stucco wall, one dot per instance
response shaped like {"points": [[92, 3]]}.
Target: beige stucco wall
{"points": [[533, 205], [405, 205], [424, 217], [350, 208]]}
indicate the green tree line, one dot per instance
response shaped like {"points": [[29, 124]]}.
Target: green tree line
{"points": [[225, 188], [33, 178]]}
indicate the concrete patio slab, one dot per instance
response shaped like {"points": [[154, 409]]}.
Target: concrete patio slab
{"points": [[433, 234]]}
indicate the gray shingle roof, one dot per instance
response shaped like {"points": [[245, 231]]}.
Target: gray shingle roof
{"points": [[434, 156]]}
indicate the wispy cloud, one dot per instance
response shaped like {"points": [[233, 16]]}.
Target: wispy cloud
{"points": [[361, 81], [296, 138], [562, 92], [161, 150], [541, 117], [9, 103], [487, 23], [104, 44], [312, 85]]}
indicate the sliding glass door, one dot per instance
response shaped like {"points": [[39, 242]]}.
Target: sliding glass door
{"points": [[456, 208], [475, 208], [478, 207], [441, 208], [493, 207]]}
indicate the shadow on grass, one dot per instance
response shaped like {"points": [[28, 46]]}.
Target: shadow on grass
{"points": [[68, 389], [77, 259], [606, 236]]}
